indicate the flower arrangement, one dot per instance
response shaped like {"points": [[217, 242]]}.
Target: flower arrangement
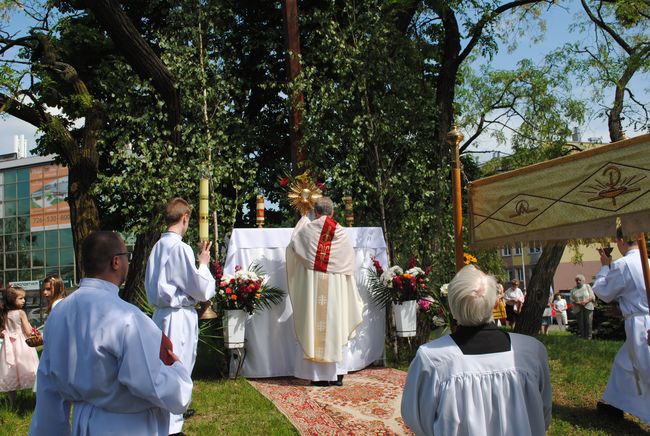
{"points": [[435, 307], [247, 290], [396, 285]]}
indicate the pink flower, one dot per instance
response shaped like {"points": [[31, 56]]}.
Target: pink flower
{"points": [[424, 304]]}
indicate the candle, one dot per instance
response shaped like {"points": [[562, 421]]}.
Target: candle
{"points": [[349, 216], [204, 191], [260, 212]]}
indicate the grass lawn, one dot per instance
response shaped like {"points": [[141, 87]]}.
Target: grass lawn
{"points": [[579, 372]]}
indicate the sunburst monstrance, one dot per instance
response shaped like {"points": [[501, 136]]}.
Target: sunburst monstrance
{"points": [[303, 193]]}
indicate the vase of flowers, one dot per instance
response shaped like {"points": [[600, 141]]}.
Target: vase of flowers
{"points": [[402, 290], [240, 295], [234, 328]]}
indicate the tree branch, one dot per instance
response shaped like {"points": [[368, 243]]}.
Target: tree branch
{"points": [[477, 30], [600, 23]]}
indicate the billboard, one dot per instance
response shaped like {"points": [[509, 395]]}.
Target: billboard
{"points": [[48, 188]]}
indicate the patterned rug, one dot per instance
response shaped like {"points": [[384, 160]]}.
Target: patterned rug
{"points": [[367, 403]]}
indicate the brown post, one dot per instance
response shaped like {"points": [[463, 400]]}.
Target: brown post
{"points": [[454, 138], [292, 43], [644, 264]]}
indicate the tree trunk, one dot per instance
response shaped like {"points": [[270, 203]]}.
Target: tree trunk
{"points": [[135, 279], [530, 319], [84, 216]]}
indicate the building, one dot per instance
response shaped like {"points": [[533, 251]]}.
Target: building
{"points": [[34, 222], [520, 260]]}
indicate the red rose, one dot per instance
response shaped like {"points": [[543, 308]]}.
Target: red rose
{"points": [[284, 181]]}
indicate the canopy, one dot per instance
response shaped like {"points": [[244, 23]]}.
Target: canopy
{"points": [[573, 197]]}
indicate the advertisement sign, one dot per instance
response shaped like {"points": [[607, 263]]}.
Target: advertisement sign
{"points": [[48, 188]]}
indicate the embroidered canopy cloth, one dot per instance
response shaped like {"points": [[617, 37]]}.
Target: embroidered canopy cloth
{"points": [[573, 197]]}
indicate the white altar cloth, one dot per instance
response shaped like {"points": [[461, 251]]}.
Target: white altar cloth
{"points": [[271, 345]]}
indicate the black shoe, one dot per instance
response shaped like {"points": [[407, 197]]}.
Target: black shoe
{"points": [[611, 412], [178, 434], [190, 413], [320, 383], [338, 382]]}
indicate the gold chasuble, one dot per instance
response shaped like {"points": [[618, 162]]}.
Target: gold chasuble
{"points": [[326, 304]]}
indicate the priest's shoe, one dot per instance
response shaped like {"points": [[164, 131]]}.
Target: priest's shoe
{"points": [[321, 383], [338, 382], [189, 413], [610, 411]]}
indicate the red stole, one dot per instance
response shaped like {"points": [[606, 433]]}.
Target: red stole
{"points": [[324, 245]]}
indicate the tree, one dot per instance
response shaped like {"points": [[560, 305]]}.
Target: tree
{"points": [[621, 50]]}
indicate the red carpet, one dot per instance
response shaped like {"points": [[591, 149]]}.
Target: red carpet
{"points": [[367, 403]]}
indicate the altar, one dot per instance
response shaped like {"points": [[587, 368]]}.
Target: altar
{"points": [[272, 349]]}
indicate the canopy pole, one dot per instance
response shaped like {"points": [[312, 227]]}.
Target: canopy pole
{"points": [[454, 138], [644, 264]]}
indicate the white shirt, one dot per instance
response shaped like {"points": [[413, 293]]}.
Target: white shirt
{"points": [[514, 294], [560, 305], [449, 393], [102, 354], [172, 278]]}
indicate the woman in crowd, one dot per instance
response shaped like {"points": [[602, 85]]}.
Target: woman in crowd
{"points": [[583, 298]]}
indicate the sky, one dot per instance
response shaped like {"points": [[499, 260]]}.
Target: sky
{"points": [[558, 23]]}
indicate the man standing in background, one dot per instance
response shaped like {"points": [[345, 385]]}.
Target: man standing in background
{"points": [[174, 285]]}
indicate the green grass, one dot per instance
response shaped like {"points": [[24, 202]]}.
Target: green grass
{"points": [[579, 373]]}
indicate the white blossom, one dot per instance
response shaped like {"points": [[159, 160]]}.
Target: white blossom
{"points": [[415, 271], [443, 289]]}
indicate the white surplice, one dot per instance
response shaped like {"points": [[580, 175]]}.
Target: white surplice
{"points": [[628, 387], [102, 356], [327, 307], [450, 393], [174, 285]]}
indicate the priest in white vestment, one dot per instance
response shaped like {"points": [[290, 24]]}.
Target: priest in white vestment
{"points": [[105, 359], [628, 388], [327, 307], [479, 380], [175, 285]]}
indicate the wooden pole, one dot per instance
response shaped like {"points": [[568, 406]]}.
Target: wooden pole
{"points": [[644, 264], [454, 138], [292, 43]]}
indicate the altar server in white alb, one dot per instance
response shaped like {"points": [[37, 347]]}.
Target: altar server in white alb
{"points": [[105, 359], [628, 388], [327, 307], [174, 285], [479, 380]]}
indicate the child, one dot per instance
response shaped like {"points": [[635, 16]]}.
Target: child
{"points": [[499, 310], [53, 291], [18, 361], [560, 311]]}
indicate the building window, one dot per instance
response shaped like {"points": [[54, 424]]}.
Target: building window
{"points": [[505, 251], [520, 273], [518, 250], [534, 249]]}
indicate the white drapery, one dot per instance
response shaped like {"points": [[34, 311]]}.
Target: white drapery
{"points": [[271, 342]]}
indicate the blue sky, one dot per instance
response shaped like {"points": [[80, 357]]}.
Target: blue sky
{"points": [[558, 22]]}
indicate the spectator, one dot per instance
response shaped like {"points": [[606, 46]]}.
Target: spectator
{"points": [[514, 298], [582, 297], [560, 311]]}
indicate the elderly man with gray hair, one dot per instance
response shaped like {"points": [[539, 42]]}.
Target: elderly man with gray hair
{"points": [[479, 379]]}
